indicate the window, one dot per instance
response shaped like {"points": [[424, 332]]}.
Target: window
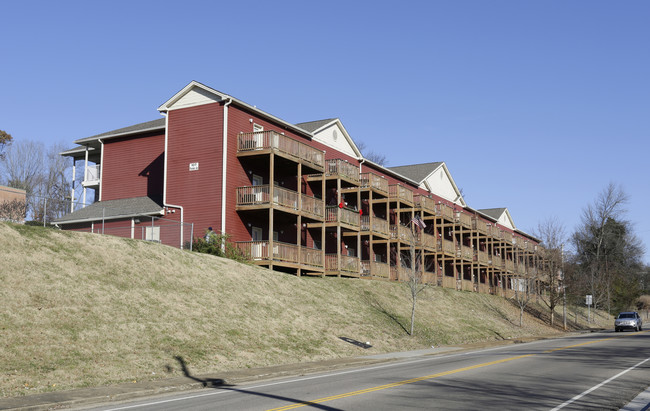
{"points": [[152, 234]]}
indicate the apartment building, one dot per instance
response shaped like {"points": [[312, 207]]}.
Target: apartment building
{"points": [[298, 198]]}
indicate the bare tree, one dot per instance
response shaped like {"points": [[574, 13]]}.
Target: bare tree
{"points": [[604, 245], [28, 166], [552, 236], [371, 155], [414, 268], [23, 167]]}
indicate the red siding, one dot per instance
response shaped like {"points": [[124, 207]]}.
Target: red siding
{"points": [[194, 136], [133, 167]]}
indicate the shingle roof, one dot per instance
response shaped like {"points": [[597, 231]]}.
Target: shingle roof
{"points": [[112, 209], [312, 126], [495, 213], [416, 172], [148, 125]]}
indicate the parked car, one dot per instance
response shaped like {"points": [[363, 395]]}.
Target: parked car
{"points": [[628, 320]]}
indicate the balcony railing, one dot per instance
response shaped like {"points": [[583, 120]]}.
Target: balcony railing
{"points": [[447, 246], [480, 226], [372, 180], [400, 232], [379, 225], [92, 176], [260, 195], [343, 169], [342, 215], [312, 205], [261, 251], [446, 212], [425, 203], [427, 241], [507, 236], [399, 192], [348, 264], [465, 220], [271, 140], [466, 253], [311, 257], [482, 257]]}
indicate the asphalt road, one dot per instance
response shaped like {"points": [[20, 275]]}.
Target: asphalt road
{"points": [[599, 371]]}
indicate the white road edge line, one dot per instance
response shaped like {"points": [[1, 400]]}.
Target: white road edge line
{"points": [[392, 364], [577, 397]]}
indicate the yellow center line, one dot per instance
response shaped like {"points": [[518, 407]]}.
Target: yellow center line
{"points": [[429, 377], [396, 384]]}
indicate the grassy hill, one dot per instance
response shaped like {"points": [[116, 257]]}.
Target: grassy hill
{"points": [[81, 310]]}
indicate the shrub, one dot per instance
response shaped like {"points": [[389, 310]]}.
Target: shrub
{"points": [[219, 245]]}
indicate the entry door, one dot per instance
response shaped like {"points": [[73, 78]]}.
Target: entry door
{"points": [[257, 246], [258, 136], [257, 191]]}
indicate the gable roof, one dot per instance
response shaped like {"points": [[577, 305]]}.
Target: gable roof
{"points": [[501, 215], [153, 125], [319, 130], [113, 209], [417, 172], [422, 173], [209, 92], [312, 126]]}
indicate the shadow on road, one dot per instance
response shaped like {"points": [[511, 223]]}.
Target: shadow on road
{"points": [[221, 384]]}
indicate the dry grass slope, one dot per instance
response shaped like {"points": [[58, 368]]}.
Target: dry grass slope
{"points": [[82, 310]]}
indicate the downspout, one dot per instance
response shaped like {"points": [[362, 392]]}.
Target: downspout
{"points": [[165, 203], [101, 169], [224, 161], [363, 160]]}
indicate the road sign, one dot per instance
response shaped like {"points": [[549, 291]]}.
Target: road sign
{"points": [[589, 299]]}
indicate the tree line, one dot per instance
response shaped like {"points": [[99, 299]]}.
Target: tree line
{"points": [[39, 170], [602, 258]]}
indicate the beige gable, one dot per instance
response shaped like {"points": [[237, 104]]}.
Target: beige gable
{"points": [[440, 183], [335, 136]]}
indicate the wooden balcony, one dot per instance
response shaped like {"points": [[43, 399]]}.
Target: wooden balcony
{"points": [[446, 212], [253, 197], [466, 253], [480, 226], [447, 247], [348, 266], [398, 192], [343, 216], [467, 285], [496, 233], [427, 241], [449, 282], [374, 182], [426, 204], [342, 169], [401, 233], [465, 220], [510, 265], [507, 237], [483, 288], [378, 225], [261, 252], [263, 142], [482, 257], [375, 269]]}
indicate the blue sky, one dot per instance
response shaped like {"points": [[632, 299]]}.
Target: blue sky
{"points": [[534, 105]]}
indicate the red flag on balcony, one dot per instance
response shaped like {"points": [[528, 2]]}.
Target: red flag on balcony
{"points": [[341, 205], [360, 212]]}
